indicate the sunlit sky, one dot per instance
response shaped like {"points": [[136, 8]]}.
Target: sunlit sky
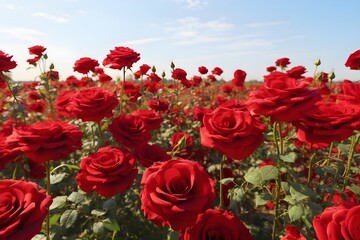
{"points": [[230, 34]]}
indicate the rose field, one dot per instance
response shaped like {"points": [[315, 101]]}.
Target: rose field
{"points": [[155, 157]]}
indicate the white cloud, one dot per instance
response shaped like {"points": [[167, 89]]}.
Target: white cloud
{"points": [[27, 34], [50, 17], [194, 3], [263, 24]]}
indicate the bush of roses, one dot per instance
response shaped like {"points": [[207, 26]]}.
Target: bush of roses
{"points": [[146, 156]]}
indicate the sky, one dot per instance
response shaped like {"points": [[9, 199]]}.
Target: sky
{"points": [[230, 34]]}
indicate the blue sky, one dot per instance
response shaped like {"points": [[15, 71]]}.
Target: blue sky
{"points": [[231, 34]]}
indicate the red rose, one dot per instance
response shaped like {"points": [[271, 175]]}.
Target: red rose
{"points": [[37, 50], [203, 70], [63, 100], [227, 88], [217, 224], [331, 122], [292, 233], [271, 68], [217, 71], [232, 132], [130, 130], [121, 57], [53, 75], [151, 118], [179, 74], [212, 78], [48, 140], [296, 72], [175, 192], [23, 209], [93, 104], [338, 222], [153, 77], [283, 98], [108, 171], [282, 62], [350, 93], [353, 61], [144, 69], [239, 78], [159, 105], [196, 80], [6, 63], [104, 78], [85, 65], [149, 154], [199, 112]]}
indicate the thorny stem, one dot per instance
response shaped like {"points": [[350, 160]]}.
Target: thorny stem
{"points": [[354, 141], [221, 203], [3, 76], [311, 167], [48, 192], [122, 91]]}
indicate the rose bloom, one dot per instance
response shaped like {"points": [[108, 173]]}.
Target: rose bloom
{"points": [[121, 57], [48, 140], [217, 71], [151, 118], [179, 74], [38, 106], [203, 70], [217, 224], [6, 64], [282, 98], [149, 154], [144, 69], [62, 103], [153, 77], [232, 132], [271, 69], [85, 64], [350, 93], [282, 62], [296, 72], [93, 104], [353, 61], [239, 78], [159, 105], [199, 112], [338, 222], [130, 130], [186, 148], [331, 122], [53, 75], [23, 209], [104, 78], [292, 233], [37, 50], [108, 171], [175, 192]]}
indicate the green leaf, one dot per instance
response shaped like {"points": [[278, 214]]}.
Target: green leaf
{"points": [[295, 213], [99, 227], [98, 212], [109, 204], [269, 172], [111, 225], [305, 190], [76, 197], [237, 194], [262, 198], [226, 181], [290, 199], [254, 177], [290, 158], [298, 196], [54, 219], [173, 235], [57, 178], [58, 202], [355, 189], [68, 218]]}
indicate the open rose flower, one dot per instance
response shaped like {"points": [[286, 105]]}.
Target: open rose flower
{"points": [[239, 78], [23, 208], [48, 140], [283, 98], [282, 62], [203, 70], [292, 233], [108, 171], [6, 64], [85, 64], [338, 222], [130, 130], [217, 224], [353, 61], [175, 192], [149, 154], [121, 57], [234, 133], [93, 104]]}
